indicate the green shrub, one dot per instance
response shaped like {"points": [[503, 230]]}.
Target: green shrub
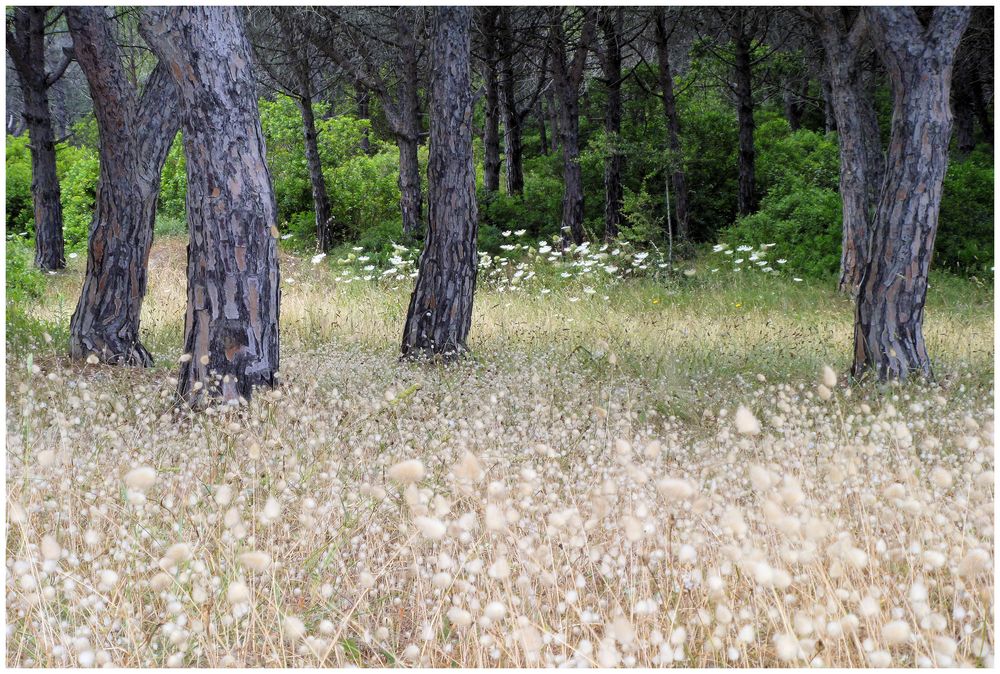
{"points": [[79, 169], [20, 215], [173, 183], [965, 228]]}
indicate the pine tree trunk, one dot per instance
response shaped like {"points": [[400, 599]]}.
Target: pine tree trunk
{"points": [[440, 311], [363, 101], [410, 198], [829, 119], [677, 175], [572, 201], [49, 246], [512, 117], [613, 195], [321, 201], [747, 198], [26, 48], [135, 138], [888, 334], [231, 325], [491, 125]]}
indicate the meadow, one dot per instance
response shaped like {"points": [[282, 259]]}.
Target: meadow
{"points": [[636, 466]]}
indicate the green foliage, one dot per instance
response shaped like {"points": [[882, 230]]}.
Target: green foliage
{"points": [[20, 216], [965, 228], [364, 194], [538, 210], [79, 169], [784, 155], [173, 183], [25, 284]]}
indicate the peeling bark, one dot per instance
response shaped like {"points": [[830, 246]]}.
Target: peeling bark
{"points": [[888, 331], [135, 137], [440, 311], [231, 324]]}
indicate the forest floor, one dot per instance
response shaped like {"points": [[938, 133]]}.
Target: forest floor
{"points": [[638, 472]]}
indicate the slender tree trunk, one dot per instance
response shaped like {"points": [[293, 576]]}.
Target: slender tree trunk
{"points": [[363, 102], [135, 138], [411, 199], [321, 201], [491, 126], [747, 198], [982, 109], [677, 175], [551, 110], [512, 117], [888, 334], [572, 201], [792, 99], [542, 135], [231, 325], [613, 195], [26, 48], [440, 311]]}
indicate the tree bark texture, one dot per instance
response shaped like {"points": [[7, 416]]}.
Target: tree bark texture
{"points": [[491, 125], [321, 200], [231, 324], [611, 27], [513, 117], [852, 107], [26, 46], [677, 175], [440, 311], [888, 334], [567, 78], [747, 198], [135, 137]]}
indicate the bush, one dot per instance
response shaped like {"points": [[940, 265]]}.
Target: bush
{"points": [[173, 183], [79, 169], [965, 229], [20, 215]]}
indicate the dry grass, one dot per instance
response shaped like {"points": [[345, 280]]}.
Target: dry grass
{"points": [[587, 492]]}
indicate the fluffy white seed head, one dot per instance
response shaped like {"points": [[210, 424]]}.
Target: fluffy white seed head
{"points": [[141, 478], [407, 472], [746, 422]]}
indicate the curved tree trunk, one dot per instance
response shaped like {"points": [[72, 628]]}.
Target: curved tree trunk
{"points": [[231, 325], [440, 311], [888, 332], [26, 48], [135, 138]]}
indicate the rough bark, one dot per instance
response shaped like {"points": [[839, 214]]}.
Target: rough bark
{"points": [[26, 46], [611, 27], [491, 122], [747, 197], [440, 311], [829, 119], [321, 201], [567, 78], [888, 333], [231, 324], [677, 175], [854, 111], [135, 137]]}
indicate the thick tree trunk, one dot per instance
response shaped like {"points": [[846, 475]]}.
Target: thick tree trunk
{"points": [[872, 136], [857, 130], [231, 325], [572, 201], [135, 138], [611, 26], [440, 311], [677, 175], [888, 334], [491, 125], [26, 47], [321, 201], [829, 119], [747, 197]]}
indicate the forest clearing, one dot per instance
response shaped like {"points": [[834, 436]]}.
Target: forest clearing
{"points": [[587, 491], [509, 337]]}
